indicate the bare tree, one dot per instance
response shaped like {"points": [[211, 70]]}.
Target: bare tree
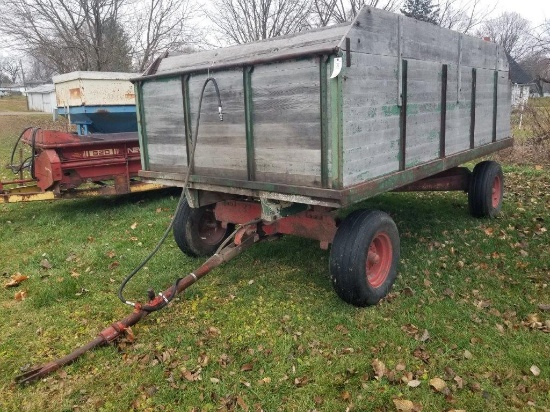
{"points": [[162, 25], [70, 34], [11, 69], [512, 32], [325, 12], [463, 15], [244, 21]]}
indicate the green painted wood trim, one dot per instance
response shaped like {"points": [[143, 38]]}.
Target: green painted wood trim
{"points": [[403, 118], [186, 113], [142, 132], [495, 104], [323, 62], [343, 197], [473, 109], [249, 124], [395, 180], [336, 127]]}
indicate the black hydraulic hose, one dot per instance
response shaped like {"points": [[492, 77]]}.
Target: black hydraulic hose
{"points": [[180, 202], [18, 168]]}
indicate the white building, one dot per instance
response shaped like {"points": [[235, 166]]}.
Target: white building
{"points": [[42, 98]]}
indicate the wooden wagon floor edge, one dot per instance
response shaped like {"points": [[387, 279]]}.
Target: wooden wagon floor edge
{"points": [[337, 198]]}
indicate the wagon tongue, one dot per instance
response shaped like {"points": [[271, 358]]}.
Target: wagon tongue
{"points": [[155, 303]]}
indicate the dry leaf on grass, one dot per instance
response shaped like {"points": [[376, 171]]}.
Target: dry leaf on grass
{"points": [[15, 280], [21, 295], [379, 368], [44, 263], [535, 370], [438, 384], [134, 225], [414, 383], [405, 405]]}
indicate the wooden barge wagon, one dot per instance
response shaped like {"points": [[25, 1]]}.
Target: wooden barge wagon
{"points": [[320, 120]]}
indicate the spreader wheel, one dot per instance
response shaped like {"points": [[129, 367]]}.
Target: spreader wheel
{"points": [[486, 189], [196, 231], [364, 257]]}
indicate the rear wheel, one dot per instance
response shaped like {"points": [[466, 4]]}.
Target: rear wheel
{"points": [[196, 231], [486, 190], [364, 257]]}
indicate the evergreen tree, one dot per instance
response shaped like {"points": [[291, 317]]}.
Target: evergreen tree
{"points": [[422, 10]]}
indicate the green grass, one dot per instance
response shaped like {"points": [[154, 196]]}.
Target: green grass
{"points": [[266, 331], [13, 104]]}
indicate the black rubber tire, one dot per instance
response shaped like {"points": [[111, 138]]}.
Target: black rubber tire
{"points": [[485, 176], [188, 224], [348, 256]]}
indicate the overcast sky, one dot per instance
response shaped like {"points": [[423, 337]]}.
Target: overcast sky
{"points": [[537, 11]]}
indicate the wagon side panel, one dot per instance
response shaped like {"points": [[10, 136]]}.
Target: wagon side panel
{"points": [[287, 122], [423, 112], [459, 109], [371, 118], [163, 125], [221, 145]]}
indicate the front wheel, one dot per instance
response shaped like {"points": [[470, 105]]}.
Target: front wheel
{"points": [[196, 231], [364, 257]]}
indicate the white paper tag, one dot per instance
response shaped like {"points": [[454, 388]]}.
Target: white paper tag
{"points": [[337, 67]]}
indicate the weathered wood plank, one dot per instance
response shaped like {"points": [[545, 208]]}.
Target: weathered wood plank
{"points": [[221, 145], [423, 112], [287, 122], [303, 42], [164, 123]]}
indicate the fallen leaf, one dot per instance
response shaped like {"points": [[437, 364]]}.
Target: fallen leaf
{"points": [[459, 381], [544, 307], [438, 384], [379, 368], [538, 167], [110, 254], [468, 354], [113, 265], [241, 403], [535, 370], [75, 274], [214, 380], [414, 383], [15, 280], [301, 381], [247, 367], [133, 226], [425, 336], [345, 396], [21, 295], [44, 263], [405, 405]]}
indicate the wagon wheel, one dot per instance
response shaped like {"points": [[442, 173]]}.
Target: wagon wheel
{"points": [[196, 231], [486, 189], [364, 257]]}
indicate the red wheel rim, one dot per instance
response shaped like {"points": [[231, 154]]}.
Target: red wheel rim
{"points": [[497, 191], [379, 259], [210, 230]]}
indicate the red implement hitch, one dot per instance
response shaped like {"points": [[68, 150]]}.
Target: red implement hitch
{"points": [[158, 302]]}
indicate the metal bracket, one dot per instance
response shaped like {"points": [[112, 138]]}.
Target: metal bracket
{"points": [[274, 209]]}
